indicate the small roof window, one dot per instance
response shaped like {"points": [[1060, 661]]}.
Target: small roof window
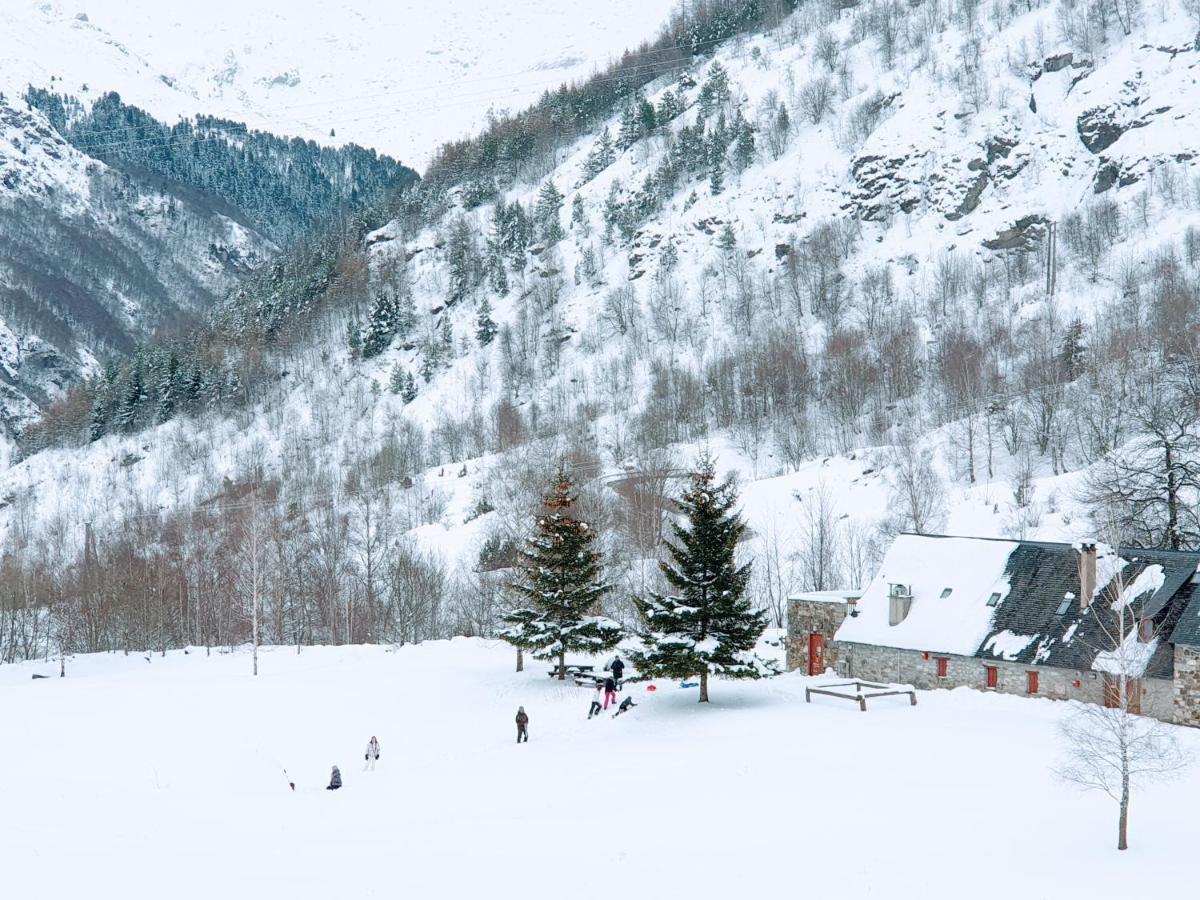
{"points": [[994, 599], [1064, 606], [946, 592]]}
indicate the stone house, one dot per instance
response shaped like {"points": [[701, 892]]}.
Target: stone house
{"points": [[1024, 617]]}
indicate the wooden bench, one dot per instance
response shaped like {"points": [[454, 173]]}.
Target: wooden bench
{"points": [[863, 691]]}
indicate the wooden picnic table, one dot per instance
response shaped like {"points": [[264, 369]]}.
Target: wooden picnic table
{"points": [[863, 690]]}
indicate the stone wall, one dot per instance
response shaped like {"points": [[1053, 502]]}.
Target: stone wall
{"points": [[919, 669], [805, 617], [1186, 689]]}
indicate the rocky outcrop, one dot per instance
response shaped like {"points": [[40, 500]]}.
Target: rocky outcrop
{"points": [[1022, 235]]}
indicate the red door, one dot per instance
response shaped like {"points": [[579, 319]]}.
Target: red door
{"points": [[816, 653], [993, 676]]}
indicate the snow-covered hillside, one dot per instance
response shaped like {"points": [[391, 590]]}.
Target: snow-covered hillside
{"points": [[138, 776], [401, 77], [823, 254], [93, 260]]}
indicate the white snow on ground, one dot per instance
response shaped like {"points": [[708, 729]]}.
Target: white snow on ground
{"points": [[972, 569], [401, 76], [165, 778]]}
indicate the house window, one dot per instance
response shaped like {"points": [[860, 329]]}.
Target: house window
{"points": [[1146, 630], [946, 592], [994, 599], [993, 676], [1031, 682], [1064, 606], [942, 665]]}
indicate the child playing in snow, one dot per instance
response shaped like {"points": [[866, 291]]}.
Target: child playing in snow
{"points": [[625, 706], [522, 725], [372, 753], [594, 709], [335, 779], [610, 691]]}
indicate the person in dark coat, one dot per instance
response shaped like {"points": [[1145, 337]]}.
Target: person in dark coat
{"points": [[335, 779], [618, 669], [594, 709], [626, 705], [610, 691], [522, 725]]}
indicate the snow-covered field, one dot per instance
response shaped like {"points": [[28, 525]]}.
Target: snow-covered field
{"points": [[133, 778]]}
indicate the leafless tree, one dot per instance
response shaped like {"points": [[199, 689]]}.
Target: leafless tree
{"points": [[1110, 748], [918, 502]]}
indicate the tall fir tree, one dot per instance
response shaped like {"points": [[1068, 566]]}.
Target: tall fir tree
{"points": [[707, 625], [168, 389], [485, 328], [559, 579], [381, 325], [549, 207], [408, 393]]}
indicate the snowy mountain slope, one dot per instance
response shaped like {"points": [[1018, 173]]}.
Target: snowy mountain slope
{"points": [[136, 762], [798, 321], [93, 260], [401, 77]]}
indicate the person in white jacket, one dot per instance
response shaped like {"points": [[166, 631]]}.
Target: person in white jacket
{"points": [[372, 753]]}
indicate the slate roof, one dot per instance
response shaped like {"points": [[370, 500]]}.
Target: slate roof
{"points": [[1041, 574], [1037, 577]]}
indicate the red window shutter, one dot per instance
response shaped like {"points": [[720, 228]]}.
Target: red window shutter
{"points": [[993, 676], [942, 662], [1032, 687]]}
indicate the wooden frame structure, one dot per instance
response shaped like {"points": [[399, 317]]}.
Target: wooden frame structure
{"points": [[863, 691]]}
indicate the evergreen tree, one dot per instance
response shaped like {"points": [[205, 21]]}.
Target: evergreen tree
{"points": [[354, 339], [559, 578], [168, 389], [447, 339], [485, 328], [743, 142], [381, 325], [405, 313], [461, 260], [647, 117], [630, 130], [549, 207], [728, 240], [601, 156], [1073, 350], [396, 380], [707, 625], [669, 107], [98, 425], [131, 403], [578, 214], [408, 393]]}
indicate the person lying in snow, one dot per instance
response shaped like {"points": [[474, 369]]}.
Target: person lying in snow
{"points": [[594, 709], [335, 779], [522, 725], [626, 705], [372, 753]]}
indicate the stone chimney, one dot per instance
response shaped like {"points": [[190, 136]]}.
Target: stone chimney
{"points": [[1087, 574]]}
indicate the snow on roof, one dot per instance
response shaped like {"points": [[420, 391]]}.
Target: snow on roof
{"points": [[972, 568], [826, 596]]}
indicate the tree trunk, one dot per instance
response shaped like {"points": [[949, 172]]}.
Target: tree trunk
{"points": [[704, 686], [1123, 824], [562, 665], [520, 660]]}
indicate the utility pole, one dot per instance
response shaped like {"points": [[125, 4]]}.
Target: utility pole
{"points": [[1051, 259]]}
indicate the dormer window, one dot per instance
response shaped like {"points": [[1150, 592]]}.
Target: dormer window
{"points": [[1146, 630]]}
